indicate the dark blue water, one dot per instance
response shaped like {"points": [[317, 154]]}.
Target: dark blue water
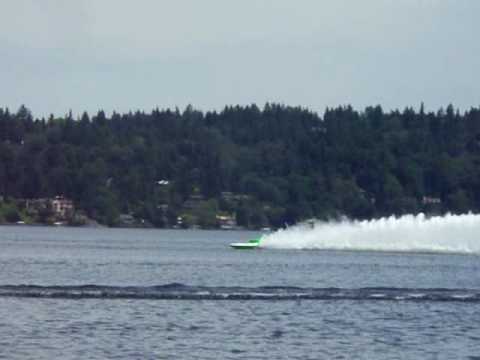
{"points": [[123, 294]]}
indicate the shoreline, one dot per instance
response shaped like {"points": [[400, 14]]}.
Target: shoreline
{"points": [[100, 226]]}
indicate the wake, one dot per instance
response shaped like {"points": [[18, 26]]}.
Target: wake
{"points": [[264, 293], [409, 233]]}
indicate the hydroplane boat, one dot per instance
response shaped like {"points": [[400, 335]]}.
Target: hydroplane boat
{"points": [[251, 244]]}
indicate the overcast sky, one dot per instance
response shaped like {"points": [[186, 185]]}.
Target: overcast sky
{"points": [[123, 55]]}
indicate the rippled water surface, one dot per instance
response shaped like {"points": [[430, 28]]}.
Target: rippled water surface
{"points": [[103, 293]]}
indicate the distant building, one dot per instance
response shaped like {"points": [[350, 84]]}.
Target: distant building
{"points": [[234, 197], [179, 222], [58, 208], [126, 220], [33, 206], [431, 200], [194, 202], [226, 222], [163, 207], [227, 195], [62, 207]]}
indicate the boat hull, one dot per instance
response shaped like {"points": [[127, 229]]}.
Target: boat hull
{"points": [[244, 246]]}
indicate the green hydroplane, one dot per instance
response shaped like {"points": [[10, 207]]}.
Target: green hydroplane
{"points": [[251, 244]]}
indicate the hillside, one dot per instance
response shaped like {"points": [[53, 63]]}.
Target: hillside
{"points": [[255, 167]]}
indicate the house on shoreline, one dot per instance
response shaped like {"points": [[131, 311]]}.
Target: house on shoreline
{"points": [[45, 210]]}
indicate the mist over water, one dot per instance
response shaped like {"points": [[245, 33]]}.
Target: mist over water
{"points": [[409, 233]]}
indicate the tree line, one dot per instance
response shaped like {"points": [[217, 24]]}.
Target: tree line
{"points": [[267, 166]]}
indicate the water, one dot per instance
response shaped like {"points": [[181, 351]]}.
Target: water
{"points": [[115, 293]]}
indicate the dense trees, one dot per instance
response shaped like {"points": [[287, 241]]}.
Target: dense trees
{"points": [[282, 164]]}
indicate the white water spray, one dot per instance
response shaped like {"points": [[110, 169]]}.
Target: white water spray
{"points": [[409, 233]]}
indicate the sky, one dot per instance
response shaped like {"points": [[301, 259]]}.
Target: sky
{"points": [[122, 55]]}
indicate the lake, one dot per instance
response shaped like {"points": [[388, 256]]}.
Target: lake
{"points": [[79, 293]]}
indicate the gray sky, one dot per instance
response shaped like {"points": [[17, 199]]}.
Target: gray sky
{"points": [[57, 55]]}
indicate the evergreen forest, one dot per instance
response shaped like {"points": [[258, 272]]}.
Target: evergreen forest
{"points": [[265, 167]]}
